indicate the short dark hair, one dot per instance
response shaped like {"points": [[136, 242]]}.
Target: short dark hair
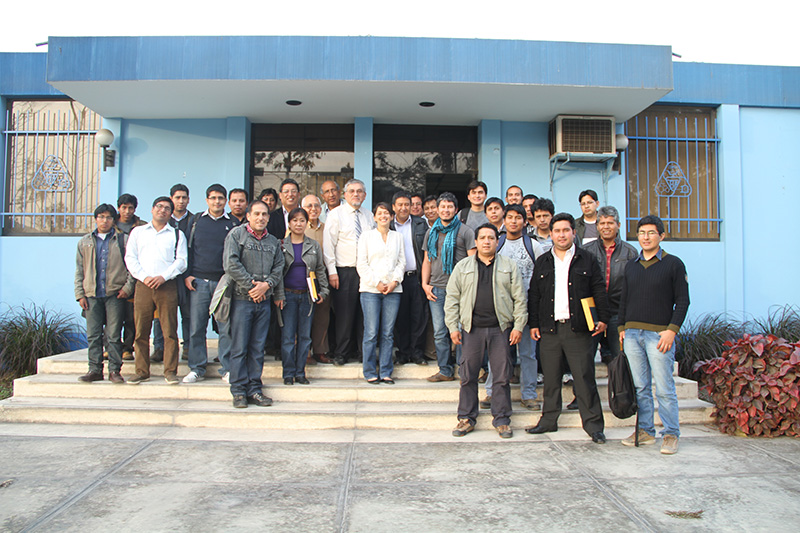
{"points": [[487, 225], [297, 211], [651, 219], [178, 187], [516, 208], [233, 191], [429, 198], [493, 200], [401, 194], [420, 196], [563, 216], [384, 205], [165, 199], [254, 202], [288, 181], [476, 184], [105, 208], [514, 187], [587, 192], [268, 191], [530, 197], [128, 199], [543, 204], [216, 187], [447, 197]]}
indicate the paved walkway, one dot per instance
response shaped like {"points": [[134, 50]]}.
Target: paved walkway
{"points": [[108, 478]]}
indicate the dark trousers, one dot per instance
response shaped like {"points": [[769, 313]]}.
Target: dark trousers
{"points": [[345, 301], [474, 345], [412, 321], [146, 302], [576, 348], [249, 325], [608, 341], [128, 327]]}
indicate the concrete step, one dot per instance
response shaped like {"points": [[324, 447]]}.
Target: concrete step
{"points": [[319, 391], [288, 415]]}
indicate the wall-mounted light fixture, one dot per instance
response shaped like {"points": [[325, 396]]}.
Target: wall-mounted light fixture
{"points": [[104, 138]]}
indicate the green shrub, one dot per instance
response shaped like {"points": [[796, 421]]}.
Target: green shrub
{"points": [[29, 333]]}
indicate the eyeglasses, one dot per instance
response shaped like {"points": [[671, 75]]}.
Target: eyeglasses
{"points": [[162, 207], [104, 217], [312, 206], [356, 191], [290, 191], [647, 233]]}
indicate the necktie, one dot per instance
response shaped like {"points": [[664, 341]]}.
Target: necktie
{"points": [[358, 225]]}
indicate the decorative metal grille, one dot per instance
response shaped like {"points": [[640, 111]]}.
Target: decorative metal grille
{"points": [[52, 168]]}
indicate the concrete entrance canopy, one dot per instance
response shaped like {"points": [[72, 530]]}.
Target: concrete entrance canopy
{"points": [[339, 78]]}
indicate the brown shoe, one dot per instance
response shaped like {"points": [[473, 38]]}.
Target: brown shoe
{"points": [[116, 377], [91, 376], [464, 426], [440, 377], [486, 403], [514, 380], [322, 358], [504, 432], [533, 405], [127, 356], [482, 377]]}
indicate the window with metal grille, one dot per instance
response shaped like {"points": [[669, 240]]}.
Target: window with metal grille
{"points": [[52, 174], [672, 171]]}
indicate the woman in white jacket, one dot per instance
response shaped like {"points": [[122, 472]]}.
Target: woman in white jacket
{"points": [[381, 263]]}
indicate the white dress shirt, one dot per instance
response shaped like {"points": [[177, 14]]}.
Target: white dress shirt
{"points": [[380, 261], [153, 253], [561, 299], [408, 242], [340, 246]]}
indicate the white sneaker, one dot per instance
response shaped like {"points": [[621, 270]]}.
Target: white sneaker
{"points": [[192, 377], [226, 378]]}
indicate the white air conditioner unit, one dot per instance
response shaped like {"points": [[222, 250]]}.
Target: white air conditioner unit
{"points": [[588, 137]]}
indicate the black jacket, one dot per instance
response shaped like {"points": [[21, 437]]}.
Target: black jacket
{"points": [[418, 229], [277, 225], [585, 280], [623, 252]]}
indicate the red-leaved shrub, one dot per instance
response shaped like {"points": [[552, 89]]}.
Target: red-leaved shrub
{"points": [[755, 386]]}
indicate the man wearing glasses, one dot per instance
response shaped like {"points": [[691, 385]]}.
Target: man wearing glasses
{"points": [[290, 198], [652, 308], [586, 224], [155, 256], [344, 226]]}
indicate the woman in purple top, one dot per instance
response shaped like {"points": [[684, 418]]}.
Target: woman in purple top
{"points": [[302, 257]]}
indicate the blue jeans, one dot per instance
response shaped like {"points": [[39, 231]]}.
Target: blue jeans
{"points": [[110, 311], [528, 367], [249, 326], [199, 301], [298, 313], [441, 337], [380, 314], [646, 362]]}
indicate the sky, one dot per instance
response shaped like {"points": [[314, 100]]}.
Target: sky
{"points": [[758, 33]]}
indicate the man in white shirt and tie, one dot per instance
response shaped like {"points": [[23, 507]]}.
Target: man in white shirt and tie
{"points": [[155, 256], [343, 227]]}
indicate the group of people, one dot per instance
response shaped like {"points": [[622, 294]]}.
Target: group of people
{"points": [[499, 282]]}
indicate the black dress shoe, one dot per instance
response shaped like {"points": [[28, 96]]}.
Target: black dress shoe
{"points": [[598, 437], [538, 429], [420, 361], [339, 360], [288, 381], [573, 405], [91, 376], [302, 381]]}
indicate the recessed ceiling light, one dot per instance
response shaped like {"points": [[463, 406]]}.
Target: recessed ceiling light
{"points": [[427, 104], [293, 102]]}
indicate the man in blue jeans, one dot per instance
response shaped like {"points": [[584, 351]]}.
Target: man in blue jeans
{"points": [[206, 234], [653, 306], [447, 242], [254, 261], [102, 286]]}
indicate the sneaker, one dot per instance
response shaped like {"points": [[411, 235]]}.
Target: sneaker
{"points": [[135, 380], [504, 432], [239, 401], [644, 438], [259, 400], [91, 376], [669, 445], [226, 378], [486, 403], [440, 377], [192, 377], [115, 377], [532, 404], [171, 378], [567, 379], [540, 379], [464, 426], [127, 356], [158, 356]]}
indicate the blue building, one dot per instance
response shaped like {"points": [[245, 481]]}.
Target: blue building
{"points": [[708, 144]]}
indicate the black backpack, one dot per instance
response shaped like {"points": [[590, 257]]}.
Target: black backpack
{"points": [[621, 390]]}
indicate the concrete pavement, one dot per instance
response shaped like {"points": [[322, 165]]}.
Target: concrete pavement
{"points": [[101, 478]]}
